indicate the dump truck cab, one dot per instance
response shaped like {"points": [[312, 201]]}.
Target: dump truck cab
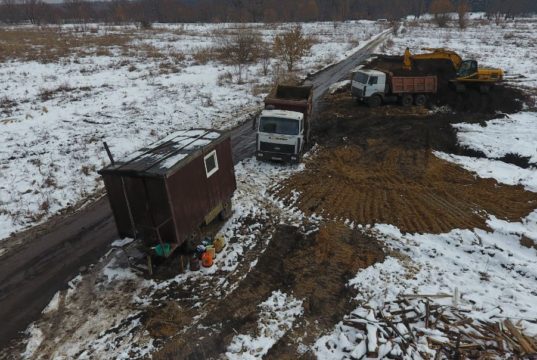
{"points": [[368, 83], [283, 126], [280, 135]]}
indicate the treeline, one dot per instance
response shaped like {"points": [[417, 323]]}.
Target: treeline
{"points": [[148, 11]]}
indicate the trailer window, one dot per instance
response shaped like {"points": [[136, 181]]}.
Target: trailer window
{"points": [[361, 77], [211, 163]]}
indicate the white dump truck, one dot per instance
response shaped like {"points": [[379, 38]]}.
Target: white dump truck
{"points": [[283, 127]]}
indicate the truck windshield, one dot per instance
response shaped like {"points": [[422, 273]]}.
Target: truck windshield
{"points": [[361, 77], [279, 126]]}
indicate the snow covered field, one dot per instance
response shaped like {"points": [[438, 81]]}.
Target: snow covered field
{"points": [[55, 114]]}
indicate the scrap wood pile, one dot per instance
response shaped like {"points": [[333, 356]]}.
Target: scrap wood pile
{"points": [[418, 327]]}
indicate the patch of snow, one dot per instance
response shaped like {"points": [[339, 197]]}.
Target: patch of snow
{"points": [[502, 172], [277, 315], [36, 337], [338, 86], [53, 305], [122, 242], [514, 134]]}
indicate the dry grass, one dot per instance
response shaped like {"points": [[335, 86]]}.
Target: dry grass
{"points": [[50, 44], [203, 55]]}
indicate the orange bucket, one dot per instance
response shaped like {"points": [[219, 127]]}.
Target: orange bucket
{"points": [[206, 259], [211, 250]]}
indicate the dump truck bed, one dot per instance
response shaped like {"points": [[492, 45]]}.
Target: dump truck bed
{"points": [[291, 98], [414, 84]]}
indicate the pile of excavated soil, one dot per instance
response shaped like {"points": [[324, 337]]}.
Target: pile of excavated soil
{"points": [[409, 188], [314, 268], [500, 99]]}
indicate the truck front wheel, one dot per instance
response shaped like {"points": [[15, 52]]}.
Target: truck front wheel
{"points": [[420, 100], [407, 100], [374, 101]]}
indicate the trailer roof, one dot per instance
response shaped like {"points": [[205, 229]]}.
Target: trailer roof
{"points": [[160, 157]]}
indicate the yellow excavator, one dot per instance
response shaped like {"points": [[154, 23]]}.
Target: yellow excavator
{"points": [[468, 73]]}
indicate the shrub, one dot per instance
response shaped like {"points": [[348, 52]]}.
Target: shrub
{"points": [[291, 46]]}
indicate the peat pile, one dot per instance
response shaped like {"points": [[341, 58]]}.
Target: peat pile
{"points": [[409, 188], [501, 98]]}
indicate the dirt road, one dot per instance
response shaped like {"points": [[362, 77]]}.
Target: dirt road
{"points": [[41, 261]]}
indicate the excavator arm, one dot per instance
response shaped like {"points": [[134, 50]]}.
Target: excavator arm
{"points": [[438, 53]]}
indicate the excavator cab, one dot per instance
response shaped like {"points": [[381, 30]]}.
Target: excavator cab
{"points": [[467, 69]]}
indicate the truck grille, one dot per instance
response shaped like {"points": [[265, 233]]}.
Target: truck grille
{"points": [[277, 148]]}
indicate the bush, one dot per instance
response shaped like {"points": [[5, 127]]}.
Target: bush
{"points": [[291, 46]]}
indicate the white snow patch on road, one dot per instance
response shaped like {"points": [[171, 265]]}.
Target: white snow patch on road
{"points": [[36, 337], [276, 316], [338, 86]]}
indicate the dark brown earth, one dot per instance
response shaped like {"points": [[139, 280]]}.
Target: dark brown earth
{"points": [[377, 166], [314, 267]]}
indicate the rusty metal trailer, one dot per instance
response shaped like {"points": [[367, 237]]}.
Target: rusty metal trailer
{"points": [[166, 191]]}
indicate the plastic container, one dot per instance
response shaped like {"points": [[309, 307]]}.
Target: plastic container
{"points": [[211, 250], [163, 251], [219, 242], [206, 259], [194, 263]]}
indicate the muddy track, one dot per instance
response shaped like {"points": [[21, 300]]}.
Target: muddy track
{"points": [[41, 260]]}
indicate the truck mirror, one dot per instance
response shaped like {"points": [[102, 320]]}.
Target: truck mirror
{"points": [[254, 122]]}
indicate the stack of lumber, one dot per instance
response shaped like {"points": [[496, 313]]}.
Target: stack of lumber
{"points": [[419, 327]]}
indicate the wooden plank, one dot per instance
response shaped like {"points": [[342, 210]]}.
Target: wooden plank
{"points": [[528, 348]]}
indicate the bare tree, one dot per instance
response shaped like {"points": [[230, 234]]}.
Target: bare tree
{"points": [[291, 46], [78, 11], [9, 11], [441, 10], [34, 11], [462, 12], [242, 48], [265, 55]]}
